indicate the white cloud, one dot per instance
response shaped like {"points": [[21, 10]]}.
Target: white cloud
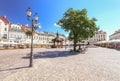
{"points": [[56, 25]]}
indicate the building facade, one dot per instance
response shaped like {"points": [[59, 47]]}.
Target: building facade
{"points": [[115, 35], [99, 36], [15, 34], [4, 28]]}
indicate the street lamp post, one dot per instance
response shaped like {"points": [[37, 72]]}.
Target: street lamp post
{"points": [[34, 26]]}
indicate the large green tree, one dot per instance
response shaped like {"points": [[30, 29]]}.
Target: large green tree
{"points": [[78, 24]]}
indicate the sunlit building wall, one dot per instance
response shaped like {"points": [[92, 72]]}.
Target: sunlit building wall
{"points": [[4, 27], [99, 36], [115, 35]]}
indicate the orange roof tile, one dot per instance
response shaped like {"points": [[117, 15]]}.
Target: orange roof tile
{"points": [[25, 28], [4, 19]]}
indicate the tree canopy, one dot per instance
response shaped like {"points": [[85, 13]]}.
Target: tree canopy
{"points": [[79, 25], [29, 33]]}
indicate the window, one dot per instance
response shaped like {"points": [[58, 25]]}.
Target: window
{"points": [[20, 36], [4, 36], [5, 29], [15, 36], [24, 37], [10, 35]]}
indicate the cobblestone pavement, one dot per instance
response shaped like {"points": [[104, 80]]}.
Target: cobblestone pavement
{"points": [[96, 64]]}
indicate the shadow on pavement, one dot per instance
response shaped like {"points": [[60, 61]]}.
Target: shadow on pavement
{"points": [[52, 54], [14, 68], [118, 49]]}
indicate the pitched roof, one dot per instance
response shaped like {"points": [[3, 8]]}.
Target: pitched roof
{"points": [[25, 28], [4, 19]]}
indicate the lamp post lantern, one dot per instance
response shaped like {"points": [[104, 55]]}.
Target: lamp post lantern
{"points": [[34, 26]]}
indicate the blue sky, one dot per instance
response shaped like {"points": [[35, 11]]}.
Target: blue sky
{"points": [[50, 11]]}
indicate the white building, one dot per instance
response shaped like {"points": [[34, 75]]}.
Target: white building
{"points": [[16, 33], [4, 28], [99, 36], [115, 35]]}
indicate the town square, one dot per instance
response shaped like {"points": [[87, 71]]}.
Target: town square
{"points": [[101, 64], [59, 40]]}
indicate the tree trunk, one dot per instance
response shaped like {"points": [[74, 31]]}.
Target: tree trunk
{"points": [[75, 43]]}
